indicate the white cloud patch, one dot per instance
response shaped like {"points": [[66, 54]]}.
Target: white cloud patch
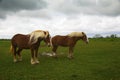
{"points": [[60, 25]]}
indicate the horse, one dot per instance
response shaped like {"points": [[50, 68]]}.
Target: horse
{"points": [[29, 41], [69, 40]]}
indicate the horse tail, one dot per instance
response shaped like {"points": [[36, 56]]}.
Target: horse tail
{"points": [[11, 49]]}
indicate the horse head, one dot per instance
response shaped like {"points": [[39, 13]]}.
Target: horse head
{"points": [[84, 38], [39, 34], [47, 38]]}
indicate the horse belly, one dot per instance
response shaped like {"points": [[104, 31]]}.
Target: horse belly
{"points": [[23, 46], [62, 42], [22, 43]]}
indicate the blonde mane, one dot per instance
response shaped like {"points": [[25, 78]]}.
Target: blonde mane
{"points": [[76, 34], [37, 34]]}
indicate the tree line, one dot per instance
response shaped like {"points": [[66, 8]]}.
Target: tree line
{"points": [[110, 36], [95, 36]]}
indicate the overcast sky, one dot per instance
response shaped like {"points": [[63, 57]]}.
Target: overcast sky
{"points": [[59, 16]]}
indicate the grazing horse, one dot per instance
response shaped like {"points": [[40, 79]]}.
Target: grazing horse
{"points": [[67, 41], [30, 41]]}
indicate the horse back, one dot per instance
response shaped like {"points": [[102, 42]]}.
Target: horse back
{"points": [[62, 41], [20, 40]]}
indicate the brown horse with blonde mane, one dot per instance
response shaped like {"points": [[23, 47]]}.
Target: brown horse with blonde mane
{"points": [[30, 41], [69, 40]]}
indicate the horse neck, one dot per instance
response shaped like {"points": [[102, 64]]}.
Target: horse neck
{"points": [[38, 41], [77, 38]]}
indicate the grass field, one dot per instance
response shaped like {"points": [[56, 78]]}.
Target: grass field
{"points": [[99, 60]]}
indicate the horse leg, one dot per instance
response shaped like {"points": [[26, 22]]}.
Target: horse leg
{"points": [[19, 54], [36, 56], [32, 56], [54, 51], [70, 55], [15, 59]]}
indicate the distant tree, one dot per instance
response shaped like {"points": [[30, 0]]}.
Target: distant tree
{"points": [[107, 37], [98, 36], [113, 36]]}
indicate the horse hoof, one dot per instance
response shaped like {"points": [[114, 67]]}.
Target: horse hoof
{"points": [[37, 62], [15, 61], [33, 62]]}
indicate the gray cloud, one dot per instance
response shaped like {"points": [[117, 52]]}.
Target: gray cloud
{"points": [[42, 14], [91, 7], [10, 6], [65, 7]]}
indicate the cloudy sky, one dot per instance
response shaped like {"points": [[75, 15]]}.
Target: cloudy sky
{"points": [[59, 16]]}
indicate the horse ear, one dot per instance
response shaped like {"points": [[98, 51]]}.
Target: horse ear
{"points": [[45, 33], [83, 33]]}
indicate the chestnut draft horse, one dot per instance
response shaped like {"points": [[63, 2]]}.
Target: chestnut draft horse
{"points": [[30, 41], [67, 41]]}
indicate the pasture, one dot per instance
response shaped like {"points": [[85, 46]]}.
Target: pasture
{"points": [[98, 60]]}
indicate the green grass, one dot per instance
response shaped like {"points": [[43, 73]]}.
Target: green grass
{"points": [[99, 60]]}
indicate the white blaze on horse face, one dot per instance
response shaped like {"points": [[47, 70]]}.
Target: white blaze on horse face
{"points": [[87, 40]]}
